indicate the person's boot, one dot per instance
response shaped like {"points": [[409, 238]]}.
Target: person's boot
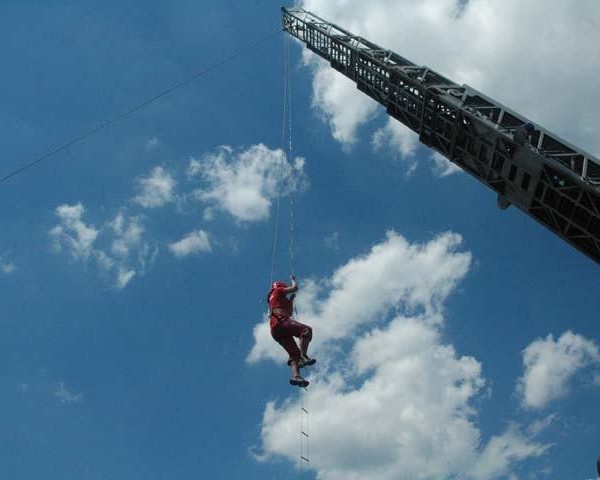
{"points": [[306, 361], [298, 380]]}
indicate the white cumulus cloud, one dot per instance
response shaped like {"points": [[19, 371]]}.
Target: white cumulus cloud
{"points": [[400, 139], [152, 143], [124, 276], [128, 234], [72, 233], [551, 365], [332, 241], [441, 166], [244, 183], [197, 241], [156, 190], [559, 96], [117, 249], [393, 274], [389, 399], [503, 451], [7, 267], [335, 98], [65, 396]]}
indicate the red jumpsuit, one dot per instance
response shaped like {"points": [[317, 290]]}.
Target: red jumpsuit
{"points": [[283, 328]]}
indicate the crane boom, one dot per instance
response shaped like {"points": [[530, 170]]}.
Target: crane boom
{"points": [[551, 180]]}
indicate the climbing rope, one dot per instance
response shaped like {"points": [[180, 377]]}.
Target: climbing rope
{"points": [[282, 159], [290, 156], [289, 188]]}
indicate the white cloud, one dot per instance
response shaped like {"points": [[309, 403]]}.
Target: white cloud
{"points": [[209, 214], [7, 267], [550, 367], [130, 253], [389, 399], [539, 426], [72, 233], [152, 143], [391, 275], [197, 241], [335, 98], [333, 241], [195, 167], [400, 139], [117, 249], [560, 96], [503, 451], [405, 142], [128, 235], [105, 262], [124, 276], [156, 190], [442, 167], [244, 183], [65, 396]]}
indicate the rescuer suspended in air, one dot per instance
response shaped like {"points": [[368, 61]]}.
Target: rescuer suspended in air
{"points": [[284, 329]]}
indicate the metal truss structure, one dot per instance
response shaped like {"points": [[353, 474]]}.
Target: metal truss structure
{"points": [[551, 180]]}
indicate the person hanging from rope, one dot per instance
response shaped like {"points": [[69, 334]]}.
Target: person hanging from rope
{"points": [[284, 328]]}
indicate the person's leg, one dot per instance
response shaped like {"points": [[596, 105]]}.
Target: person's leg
{"points": [[304, 333], [295, 368], [283, 334], [304, 342]]}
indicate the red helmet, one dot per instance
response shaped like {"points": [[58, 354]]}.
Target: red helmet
{"points": [[278, 285]]}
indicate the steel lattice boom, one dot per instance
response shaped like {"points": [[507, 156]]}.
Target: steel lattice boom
{"points": [[527, 166]]}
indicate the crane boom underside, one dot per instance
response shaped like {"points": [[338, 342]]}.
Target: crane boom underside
{"points": [[554, 182]]}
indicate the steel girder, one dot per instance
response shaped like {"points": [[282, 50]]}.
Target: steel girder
{"points": [[551, 180]]}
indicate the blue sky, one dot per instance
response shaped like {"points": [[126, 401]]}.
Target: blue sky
{"points": [[454, 340]]}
